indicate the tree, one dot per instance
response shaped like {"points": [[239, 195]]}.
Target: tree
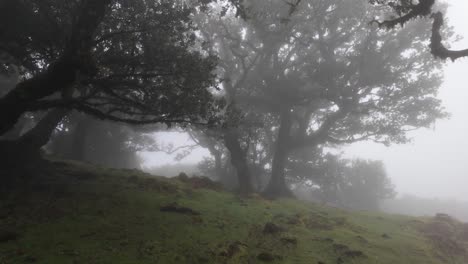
{"points": [[129, 61], [312, 73], [366, 185], [354, 184], [80, 137], [407, 10]]}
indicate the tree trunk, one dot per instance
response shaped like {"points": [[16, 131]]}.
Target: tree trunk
{"points": [[80, 134], [217, 154], [26, 149], [238, 160], [277, 186], [39, 135], [16, 102], [218, 163], [16, 130]]}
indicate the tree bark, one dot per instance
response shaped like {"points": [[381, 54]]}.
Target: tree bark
{"points": [[26, 149], [39, 135], [238, 160], [277, 187]]}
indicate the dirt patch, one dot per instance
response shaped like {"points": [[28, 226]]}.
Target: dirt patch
{"points": [[267, 257], [386, 236], [345, 253], [353, 254], [289, 241], [233, 249], [445, 234], [340, 248], [313, 221], [362, 240], [174, 208]]}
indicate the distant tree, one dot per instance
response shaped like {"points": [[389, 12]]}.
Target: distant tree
{"points": [[251, 157], [404, 11], [305, 74], [355, 184], [135, 62], [366, 185], [80, 137]]}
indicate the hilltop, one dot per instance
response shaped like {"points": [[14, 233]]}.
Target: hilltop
{"points": [[80, 213]]}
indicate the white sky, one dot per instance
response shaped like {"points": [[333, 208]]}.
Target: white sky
{"points": [[436, 163]]}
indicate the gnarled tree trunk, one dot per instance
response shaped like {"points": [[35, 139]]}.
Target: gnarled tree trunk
{"points": [[277, 186], [61, 74], [238, 160], [26, 149]]}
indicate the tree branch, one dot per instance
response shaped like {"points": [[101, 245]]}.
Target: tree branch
{"points": [[437, 48]]}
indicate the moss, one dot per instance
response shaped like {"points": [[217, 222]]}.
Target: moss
{"points": [[114, 216]]}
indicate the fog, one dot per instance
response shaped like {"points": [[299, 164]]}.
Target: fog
{"points": [[434, 165], [233, 131]]}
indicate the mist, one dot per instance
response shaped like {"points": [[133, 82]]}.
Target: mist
{"points": [[432, 167], [233, 131]]}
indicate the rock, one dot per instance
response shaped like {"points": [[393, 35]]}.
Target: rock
{"points": [[266, 257], [233, 249], [362, 240], [271, 228]]}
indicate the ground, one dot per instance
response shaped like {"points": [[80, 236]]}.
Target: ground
{"points": [[79, 213]]}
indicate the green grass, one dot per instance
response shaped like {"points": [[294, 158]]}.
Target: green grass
{"points": [[86, 214]]}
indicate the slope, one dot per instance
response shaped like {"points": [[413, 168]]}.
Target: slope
{"points": [[79, 213]]}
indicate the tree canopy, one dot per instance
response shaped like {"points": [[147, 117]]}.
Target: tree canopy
{"points": [[293, 76], [130, 61], [312, 73]]}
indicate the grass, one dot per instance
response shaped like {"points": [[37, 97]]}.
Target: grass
{"points": [[80, 213]]}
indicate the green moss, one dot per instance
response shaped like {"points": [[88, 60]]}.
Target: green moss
{"points": [[87, 214]]}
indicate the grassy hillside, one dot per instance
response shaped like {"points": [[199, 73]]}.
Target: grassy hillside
{"points": [[78, 213]]}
